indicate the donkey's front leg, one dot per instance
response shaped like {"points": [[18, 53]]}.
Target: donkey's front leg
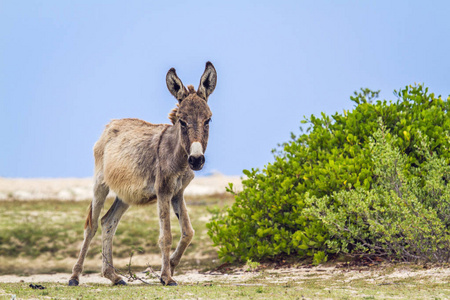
{"points": [[187, 232], [165, 238]]}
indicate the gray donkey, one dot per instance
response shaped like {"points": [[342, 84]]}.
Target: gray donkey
{"points": [[145, 163]]}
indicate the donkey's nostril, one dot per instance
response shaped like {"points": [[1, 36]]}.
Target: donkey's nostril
{"points": [[196, 162]]}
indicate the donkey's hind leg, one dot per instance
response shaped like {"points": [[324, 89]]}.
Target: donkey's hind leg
{"points": [[90, 228], [109, 225]]}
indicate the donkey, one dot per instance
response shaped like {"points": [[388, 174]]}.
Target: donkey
{"points": [[144, 163]]}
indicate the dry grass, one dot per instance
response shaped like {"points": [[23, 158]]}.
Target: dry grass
{"points": [[45, 236]]}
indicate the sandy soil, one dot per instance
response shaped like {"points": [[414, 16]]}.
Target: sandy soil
{"points": [[279, 276], [81, 188]]}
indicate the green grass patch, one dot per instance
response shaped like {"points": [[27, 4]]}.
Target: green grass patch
{"points": [[97, 291], [33, 230], [261, 288]]}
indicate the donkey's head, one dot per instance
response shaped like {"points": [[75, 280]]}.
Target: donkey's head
{"points": [[193, 115]]}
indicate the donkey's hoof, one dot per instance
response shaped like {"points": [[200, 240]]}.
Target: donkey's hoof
{"points": [[120, 282], [73, 282], [170, 283]]}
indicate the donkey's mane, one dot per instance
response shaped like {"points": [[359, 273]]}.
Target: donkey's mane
{"points": [[191, 89], [173, 114]]}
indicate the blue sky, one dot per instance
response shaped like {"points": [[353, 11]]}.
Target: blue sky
{"points": [[68, 67]]}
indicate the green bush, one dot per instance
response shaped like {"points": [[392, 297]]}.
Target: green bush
{"points": [[272, 216], [403, 216]]}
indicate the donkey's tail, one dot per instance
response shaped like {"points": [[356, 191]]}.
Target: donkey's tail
{"points": [[89, 218]]}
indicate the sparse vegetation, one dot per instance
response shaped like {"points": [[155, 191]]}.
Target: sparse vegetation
{"points": [[317, 284], [33, 240], [252, 280], [252, 265]]}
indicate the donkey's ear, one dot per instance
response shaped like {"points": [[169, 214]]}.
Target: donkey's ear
{"points": [[175, 86], [207, 81]]}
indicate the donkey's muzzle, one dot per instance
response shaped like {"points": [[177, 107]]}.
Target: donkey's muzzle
{"points": [[196, 162], [196, 158]]}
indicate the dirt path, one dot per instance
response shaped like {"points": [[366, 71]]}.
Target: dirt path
{"points": [[378, 275], [187, 278]]}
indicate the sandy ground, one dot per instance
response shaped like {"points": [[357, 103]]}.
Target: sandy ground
{"points": [[278, 276], [81, 188]]}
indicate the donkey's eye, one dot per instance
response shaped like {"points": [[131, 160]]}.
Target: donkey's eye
{"points": [[182, 123]]}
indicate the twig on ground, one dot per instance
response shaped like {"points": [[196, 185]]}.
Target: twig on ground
{"points": [[130, 276], [150, 270]]}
